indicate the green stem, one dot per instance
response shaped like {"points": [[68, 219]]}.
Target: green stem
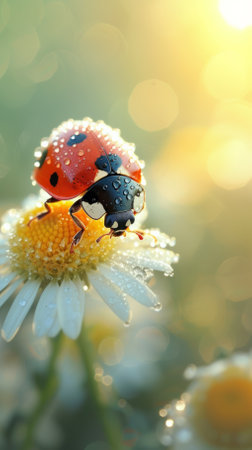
{"points": [[109, 421], [46, 394]]}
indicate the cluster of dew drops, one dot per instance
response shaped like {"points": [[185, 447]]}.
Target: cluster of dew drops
{"points": [[111, 136]]}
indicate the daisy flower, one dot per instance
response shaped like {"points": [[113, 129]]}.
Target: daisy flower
{"points": [[36, 267], [216, 411]]}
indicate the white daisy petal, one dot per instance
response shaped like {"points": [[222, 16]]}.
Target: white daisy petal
{"points": [[5, 295], [19, 309], [111, 294], [3, 259], [149, 258], [70, 302], [129, 284], [46, 310], [55, 328], [2, 241], [6, 279]]}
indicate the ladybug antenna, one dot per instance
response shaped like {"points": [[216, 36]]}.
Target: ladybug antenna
{"points": [[103, 235], [141, 234], [104, 150]]}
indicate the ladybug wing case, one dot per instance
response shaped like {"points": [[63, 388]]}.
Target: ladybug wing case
{"points": [[113, 194], [78, 154]]}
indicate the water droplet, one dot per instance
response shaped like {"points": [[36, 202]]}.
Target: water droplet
{"points": [[56, 150], [125, 192], [116, 184], [129, 197], [157, 307], [81, 152], [58, 165], [67, 162], [22, 302], [126, 324], [44, 143], [36, 164], [172, 241], [105, 187], [127, 180], [118, 201], [37, 153], [48, 161]]}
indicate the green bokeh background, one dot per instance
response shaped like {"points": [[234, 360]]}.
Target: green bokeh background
{"points": [[73, 58]]}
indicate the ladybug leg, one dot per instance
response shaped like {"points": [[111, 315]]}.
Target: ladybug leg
{"points": [[48, 210], [76, 239]]}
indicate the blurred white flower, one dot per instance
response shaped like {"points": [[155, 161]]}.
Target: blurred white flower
{"points": [[216, 411], [36, 264]]}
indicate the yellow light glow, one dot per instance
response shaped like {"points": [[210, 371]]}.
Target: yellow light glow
{"points": [[153, 105], [226, 75], [237, 13], [229, 165]]}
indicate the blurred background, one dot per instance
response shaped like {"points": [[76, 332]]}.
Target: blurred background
{"points": [[176, 78]]}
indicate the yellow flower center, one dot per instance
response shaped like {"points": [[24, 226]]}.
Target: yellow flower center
{"points": [[43, 248], [228, 404]]}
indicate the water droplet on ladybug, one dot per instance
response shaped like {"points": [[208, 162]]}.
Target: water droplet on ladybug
{"points": [[127, 180], [117, 201], [125, 192], [116, 184], [81, 152], [67, 162], [129, 197], [105, 187], [58, 165], [56, 150], [44, 143], [48, 161]]}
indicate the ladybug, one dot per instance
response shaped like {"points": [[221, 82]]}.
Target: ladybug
{"points": [[90, 160]]}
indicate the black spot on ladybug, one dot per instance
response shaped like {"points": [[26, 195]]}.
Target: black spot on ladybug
{"points": [[108, 163], [54, 179], [76, 139], [43, 157]]}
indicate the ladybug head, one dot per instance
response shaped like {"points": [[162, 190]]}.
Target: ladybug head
{"points": [[119, 222]]}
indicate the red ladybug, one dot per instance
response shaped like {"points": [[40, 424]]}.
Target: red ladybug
{"points": [[91, 160]]}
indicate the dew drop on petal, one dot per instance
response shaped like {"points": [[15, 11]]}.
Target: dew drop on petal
{"points": [[22, 302], [157, 307]]}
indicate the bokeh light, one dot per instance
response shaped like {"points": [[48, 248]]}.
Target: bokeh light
{"points": [[226, 75], [153, 105], [230, 164], [237, 13]]}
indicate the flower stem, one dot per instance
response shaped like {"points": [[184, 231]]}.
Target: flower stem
{"points": [[46, 394], [109, 421]]}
